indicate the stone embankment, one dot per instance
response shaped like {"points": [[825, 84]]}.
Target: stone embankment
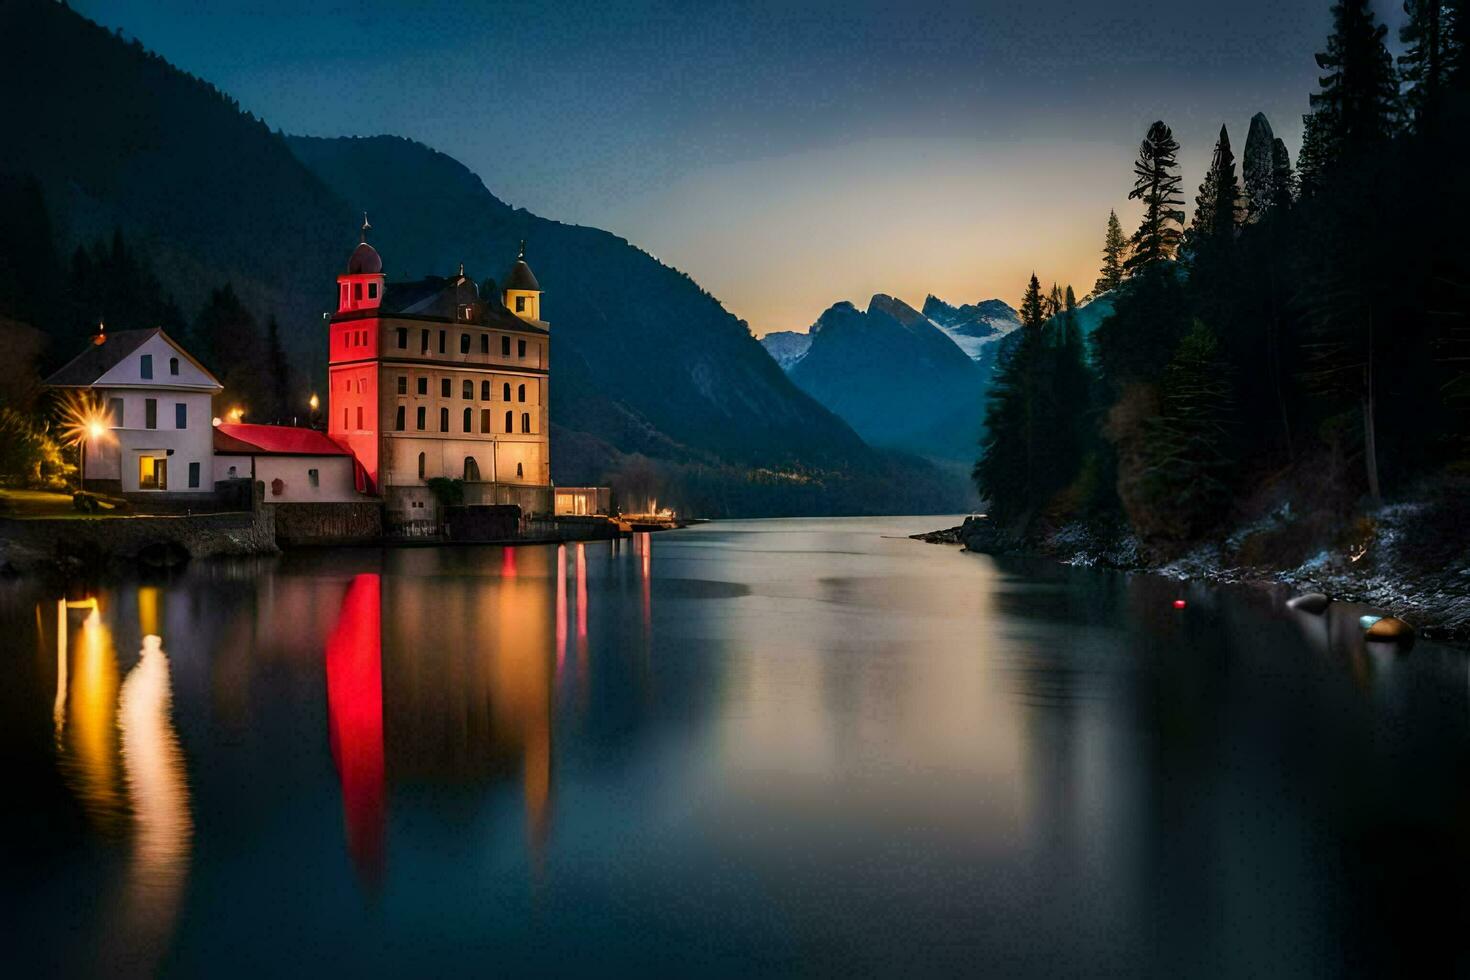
{"points": [[1401, 560], [74, 543]]}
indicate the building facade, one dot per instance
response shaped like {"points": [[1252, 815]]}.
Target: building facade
{"points": [[292, 465], [157, 441], [441, 378]]}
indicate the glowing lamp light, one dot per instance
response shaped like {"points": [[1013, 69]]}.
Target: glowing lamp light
{"points": [[1179, 603], [237, 413], [314, 402], [215, 421], [96, 430]]}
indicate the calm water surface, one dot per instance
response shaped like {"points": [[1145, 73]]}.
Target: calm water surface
{"points": [[767, 747]]}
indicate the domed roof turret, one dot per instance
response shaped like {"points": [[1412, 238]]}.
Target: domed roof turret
{"points": [[365, 259], [520, 276]]}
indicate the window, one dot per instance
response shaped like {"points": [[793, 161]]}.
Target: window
{"points": [[194, 476], [150, 413], [399, 418], [403, 384], [423, 386], [423, 341], [314, 478], [484, 343], [525, 421], [469, 418], [173, 365], [421, 459], [510, 425], [344, 419], [115, 412], [402, 338], [443, 387], [505, 392], [441, 341], [520, 470], [343, 301], [520, 304], [357, 290], [467, 390], [504, 346], [520, 348], [152, 473], [372, 294], [181, 416], [484, 420], [464, 338], [359, 416], [421, 418], [471, 470], [521, 393], [443, 420], [233, 472], [145, 365]]}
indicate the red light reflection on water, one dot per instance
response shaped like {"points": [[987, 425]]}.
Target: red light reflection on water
{"points": [[355, 720]]}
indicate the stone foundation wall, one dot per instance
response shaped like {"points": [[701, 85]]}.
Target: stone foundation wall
{"points": [[38, 542], [328, 523]]}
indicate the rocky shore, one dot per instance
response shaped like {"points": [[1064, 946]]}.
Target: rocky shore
{"points": [[1405, 560]]}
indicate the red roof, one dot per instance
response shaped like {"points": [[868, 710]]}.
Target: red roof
{"points": [[247, 439]]}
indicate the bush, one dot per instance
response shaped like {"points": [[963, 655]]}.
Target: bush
{"points": [[85, 503]]}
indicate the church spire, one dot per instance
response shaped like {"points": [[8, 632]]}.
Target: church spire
{"points": [[365, 226]]}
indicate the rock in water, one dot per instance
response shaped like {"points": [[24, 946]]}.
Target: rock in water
{"points": [[1309, 602], [1390, 629]]}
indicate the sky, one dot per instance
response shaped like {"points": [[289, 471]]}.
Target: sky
{"points": [[786, 155]]}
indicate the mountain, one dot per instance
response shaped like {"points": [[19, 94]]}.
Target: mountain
{"points": [[787, 346], [650, 373], [973, 326], [895, 377]]}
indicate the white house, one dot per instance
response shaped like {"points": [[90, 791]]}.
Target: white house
{"points": [[158, 440], [293, 465]]}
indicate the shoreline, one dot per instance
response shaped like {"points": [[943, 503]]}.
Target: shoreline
{"points": [[1437, 605]]}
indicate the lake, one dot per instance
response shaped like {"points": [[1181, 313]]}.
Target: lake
{"points": [[765, 747]]}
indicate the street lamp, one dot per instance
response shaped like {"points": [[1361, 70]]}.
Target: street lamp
{"points": [[85, 418]]}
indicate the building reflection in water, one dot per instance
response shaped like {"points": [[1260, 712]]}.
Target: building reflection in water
{"points": [[354, 666], [120, 755]]}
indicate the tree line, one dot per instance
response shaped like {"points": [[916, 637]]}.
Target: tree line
{"points": [[1303, 335]]}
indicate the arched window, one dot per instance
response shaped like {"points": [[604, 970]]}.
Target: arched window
{"points": [[484, 391], [467, 390], [471, 470], [469, 416], [520, 469], [521, 393], [505, 392], [443, 420], [510, 423], [525, 421], [421, 466], [173, 365]]}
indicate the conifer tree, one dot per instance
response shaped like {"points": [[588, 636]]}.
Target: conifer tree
{"points": [[1356, 106], [1283, 181], [228, 341], [1217, 207], [1424, 64], [1009, 474], [1115, 251], [1156, 184]]}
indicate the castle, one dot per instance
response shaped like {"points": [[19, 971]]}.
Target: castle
{"points": [[441, 378]]}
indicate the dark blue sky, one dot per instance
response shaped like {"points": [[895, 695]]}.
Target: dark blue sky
{"points": [[787, 155]]}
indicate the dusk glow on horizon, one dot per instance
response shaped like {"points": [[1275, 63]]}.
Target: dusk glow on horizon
{"points": [[787, 158]]}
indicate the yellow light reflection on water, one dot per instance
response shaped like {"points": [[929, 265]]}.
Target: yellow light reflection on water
{"points": [[89, 756]]}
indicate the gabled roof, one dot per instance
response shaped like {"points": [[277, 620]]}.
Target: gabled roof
{"points": [[88, 367], [248, 439]]}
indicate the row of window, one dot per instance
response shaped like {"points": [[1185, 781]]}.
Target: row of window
{"points": [[421, 418], [372, 291], [150, 414], [471, 469], [466, 389], [153, 473], [464, 343], [355, 338], [145, 366]]}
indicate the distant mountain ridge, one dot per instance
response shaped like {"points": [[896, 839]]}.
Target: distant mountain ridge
{"points": [[645, 362], [972, 326]]}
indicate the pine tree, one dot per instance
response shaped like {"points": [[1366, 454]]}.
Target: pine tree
{"points": [[227, 340], [1115, 251], [1217, 207], [1424, 65], [1156, 184], [1356, 105], [1009, 474], [1283, 181], [1258, 168], [1053, 303], [279, 382]]}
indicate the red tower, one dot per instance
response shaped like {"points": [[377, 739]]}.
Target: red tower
{"points": [[353, 370]]}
